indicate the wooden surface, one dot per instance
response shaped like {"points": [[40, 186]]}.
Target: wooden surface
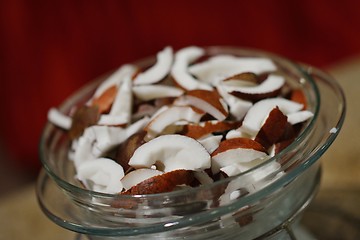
{"points": [[334, 214]]}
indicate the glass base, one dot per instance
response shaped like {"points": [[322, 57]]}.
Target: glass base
{"points": [[299, 233]]}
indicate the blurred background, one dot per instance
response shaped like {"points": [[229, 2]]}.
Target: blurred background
{"points": [[48, 49]]}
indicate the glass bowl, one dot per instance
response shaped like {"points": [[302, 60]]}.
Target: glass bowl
{"points": [[265, 207]]}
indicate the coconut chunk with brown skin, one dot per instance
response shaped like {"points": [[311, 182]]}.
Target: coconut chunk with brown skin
{"points": [[236, 150], [151, 92], [271, 87], [220, 67], [170, 115], [207, 127], [159, 70], [165, 182], [121, 109], [137, 176], [258, 113], [115, 79], [207, 101], [179, 71], [171, 152]]}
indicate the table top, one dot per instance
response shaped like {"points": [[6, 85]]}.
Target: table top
{"points": [[334, 213]]}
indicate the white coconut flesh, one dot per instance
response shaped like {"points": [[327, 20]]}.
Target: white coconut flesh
{"points": [[159, 70], [171, 152]]}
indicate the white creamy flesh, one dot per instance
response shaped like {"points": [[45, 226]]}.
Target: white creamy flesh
{"points": [[179, 70], [211, 143], [232, 156], [150, 92], [171, 115], [238, 107], [59, 119], [137, 176], [102, 175], [203, 105], [159, 70], [171, 152], [220, 67], [272, 83], [298, 117], [258, 113]]}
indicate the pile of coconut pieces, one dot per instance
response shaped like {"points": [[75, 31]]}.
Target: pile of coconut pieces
{"points": [[189, 119]]}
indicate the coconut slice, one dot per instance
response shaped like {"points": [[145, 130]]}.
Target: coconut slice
{"points": [[236, 150], [273, 128], [298, 117], [137, 176], [204, 128], [115, 79], [120, 113], [171, 152], [151, 92], [159, 70], [179, 70], [220, 67], [269, 88], [238, 107], [258, 113], [59, 119], [207, 101], [211, 142], [166, 182], [96, 141], [170, 115], [101, 175]]}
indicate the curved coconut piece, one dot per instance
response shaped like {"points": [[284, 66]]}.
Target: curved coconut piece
{"points": [[260, 173], [170, 115], [258, 113], [171, 152], [207, 101], [96, 141], [121, 109], [115, 79], [238, 107], [162, 183], [211, 142], [151, 92], [137, 176], [271, 87], [220, 67], [298, 117], [159, 70], [179, 70], [237, 133], [101, 175], [59, 119], [236, 150], [273, 128], [204, 128]]}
